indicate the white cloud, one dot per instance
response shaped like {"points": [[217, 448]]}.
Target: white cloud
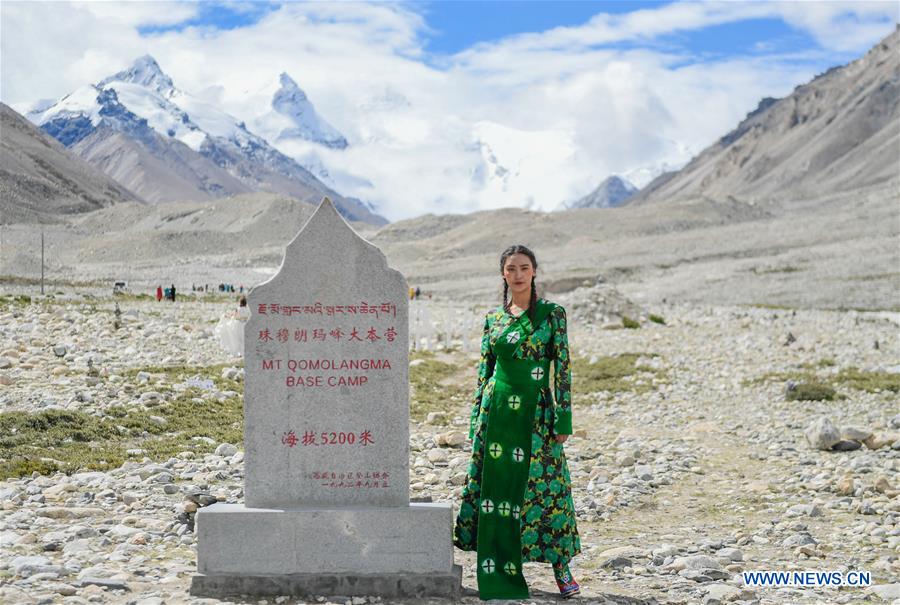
{"points": [[555, 110], [135, 13], [52, 48], [850, 26]]}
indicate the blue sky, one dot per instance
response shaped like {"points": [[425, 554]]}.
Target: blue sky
{"points": [[458, 25], [479, 104], [452, 26], [217, 15]]}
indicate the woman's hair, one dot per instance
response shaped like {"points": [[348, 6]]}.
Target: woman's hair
{"points": [[519, 249], [242, 301]]}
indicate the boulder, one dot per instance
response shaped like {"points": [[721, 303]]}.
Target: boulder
{"points": [[822, 434]]}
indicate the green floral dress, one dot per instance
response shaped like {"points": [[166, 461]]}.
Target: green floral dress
{"points": [[549, 531]]}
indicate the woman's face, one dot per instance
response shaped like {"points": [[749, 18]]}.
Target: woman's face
{"points": [[518, 273]]}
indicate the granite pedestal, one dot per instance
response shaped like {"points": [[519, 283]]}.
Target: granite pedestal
{"points": [[390, 551]]}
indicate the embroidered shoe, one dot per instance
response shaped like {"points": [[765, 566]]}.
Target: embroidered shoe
{"points": [[567, 585]]}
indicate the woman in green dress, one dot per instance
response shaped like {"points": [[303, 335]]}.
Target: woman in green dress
{"points": [[517, 501]]}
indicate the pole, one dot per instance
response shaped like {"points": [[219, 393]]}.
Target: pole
{"points": [[42, 262]]}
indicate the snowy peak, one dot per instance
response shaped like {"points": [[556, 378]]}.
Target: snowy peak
{"points": [[302, 121], [81, 103], [78, 114], [289, 90], [612, 192], [148, 92], [220, 154], [145, 71]]}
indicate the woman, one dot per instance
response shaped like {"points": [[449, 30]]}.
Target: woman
{"points": [[230, 329], [517, 502]]}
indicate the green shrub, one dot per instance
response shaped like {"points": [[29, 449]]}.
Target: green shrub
{"points": [[629, 323], [871, 382], [811, 391]]}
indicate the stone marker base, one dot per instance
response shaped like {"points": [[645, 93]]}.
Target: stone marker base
{"points": [[392, 551], [404, 585]]}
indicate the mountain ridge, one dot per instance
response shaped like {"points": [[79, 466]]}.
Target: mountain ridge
{"points": [[613, 191], [839, 131], [223, 157], [43, 181]]}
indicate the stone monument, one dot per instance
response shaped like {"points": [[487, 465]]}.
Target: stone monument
{"points": [[326, 437]]}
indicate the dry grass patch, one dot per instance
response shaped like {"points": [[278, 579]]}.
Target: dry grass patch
{"points": [[71, 441]]}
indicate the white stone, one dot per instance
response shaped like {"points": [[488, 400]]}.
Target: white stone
{"points": [[855, 433], [624, 459], [437, 455], [451, 439], [730, 554], [226, 449], [810, 510], [629, 552], [122, 531], [76, 546], [722, 592], [19, 564], [643, 472], [886, 592], [695, 562], [822, 434], [433, 417]]}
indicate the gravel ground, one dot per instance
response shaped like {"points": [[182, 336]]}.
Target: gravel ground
{"points": [[704, 470]]}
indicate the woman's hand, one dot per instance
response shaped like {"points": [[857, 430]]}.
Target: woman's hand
{"points": [[561, 438]]}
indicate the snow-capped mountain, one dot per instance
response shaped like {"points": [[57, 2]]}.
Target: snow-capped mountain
{"points": [[142, 103], [147, 91], [282, 113], [145, 71], [514, 163], [293, 117], [93, 124], [612, 192], [78, 114], [290, 121]]}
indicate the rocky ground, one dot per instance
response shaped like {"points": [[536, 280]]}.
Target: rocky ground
{"points": [[688, 468]]}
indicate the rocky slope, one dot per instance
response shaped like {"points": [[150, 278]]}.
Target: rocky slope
{"points": [[40, 180], [827, 252], [838, 133]]}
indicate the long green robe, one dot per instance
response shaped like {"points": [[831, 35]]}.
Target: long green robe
{"points": [[539, 503]]}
